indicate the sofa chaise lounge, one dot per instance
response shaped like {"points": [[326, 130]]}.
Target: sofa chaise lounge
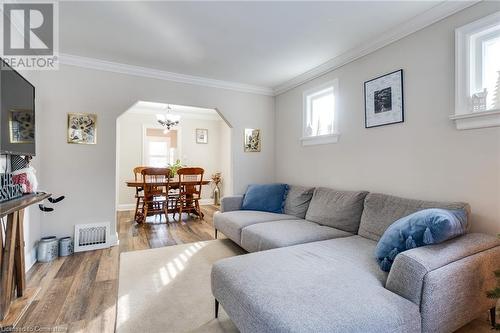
{"points": [[313, 269]]}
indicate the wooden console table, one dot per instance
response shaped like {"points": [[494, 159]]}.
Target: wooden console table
{"points": [[14, 297]]}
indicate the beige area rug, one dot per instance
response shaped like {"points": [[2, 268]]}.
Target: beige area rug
{"points": [[168, 289]]}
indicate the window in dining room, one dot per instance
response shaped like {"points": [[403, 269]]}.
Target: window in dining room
{"points": [[160, 147]]}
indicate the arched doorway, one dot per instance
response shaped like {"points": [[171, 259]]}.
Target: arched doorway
{"points": [[201, 138]]}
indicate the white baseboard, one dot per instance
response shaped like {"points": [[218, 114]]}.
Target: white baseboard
{"points": [[206, 201], [123, 207], [30, 259], [113, 239]]}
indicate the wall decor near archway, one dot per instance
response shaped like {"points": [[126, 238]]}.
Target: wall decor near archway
{"points": [[252, 140], [82, 128]]}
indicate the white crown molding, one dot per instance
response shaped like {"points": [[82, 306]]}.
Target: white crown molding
{"points": [[415, 24], [115, 67]]}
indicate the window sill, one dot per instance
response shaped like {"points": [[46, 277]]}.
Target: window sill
{"points": [[490, 118], [320, 139]]}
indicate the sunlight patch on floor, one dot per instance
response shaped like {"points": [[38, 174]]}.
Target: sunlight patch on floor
{"points": [[160, 279], [123, 303]]}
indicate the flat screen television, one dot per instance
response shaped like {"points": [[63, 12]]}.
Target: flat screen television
{"points": [[17, 113]]}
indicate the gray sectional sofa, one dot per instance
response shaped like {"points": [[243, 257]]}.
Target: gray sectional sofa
{"points": [[313, 268]]}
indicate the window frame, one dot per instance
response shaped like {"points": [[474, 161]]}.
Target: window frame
{"points": [[147, 153], [467, 73], [144, 148], [325, 138]]}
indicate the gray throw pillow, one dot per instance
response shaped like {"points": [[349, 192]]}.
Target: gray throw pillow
{"points": [[297, 200], [338, 209]]}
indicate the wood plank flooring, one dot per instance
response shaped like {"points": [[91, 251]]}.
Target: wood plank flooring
{"points": [[78, 293]]}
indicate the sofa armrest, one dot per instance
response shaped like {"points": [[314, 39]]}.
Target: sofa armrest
{"points": [[231, 203], [448, 280]]}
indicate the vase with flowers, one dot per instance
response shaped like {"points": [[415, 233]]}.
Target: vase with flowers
{"points": [[216, 180]]}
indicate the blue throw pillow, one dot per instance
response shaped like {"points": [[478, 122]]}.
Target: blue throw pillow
{"points": [[265, 198], [428, 226]]}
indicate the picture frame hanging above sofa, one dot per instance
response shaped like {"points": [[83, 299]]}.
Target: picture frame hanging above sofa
{"points": [[384, 101]]}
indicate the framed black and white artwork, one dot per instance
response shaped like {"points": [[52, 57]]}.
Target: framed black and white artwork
{"points": [[384, 102], [201, 135]]}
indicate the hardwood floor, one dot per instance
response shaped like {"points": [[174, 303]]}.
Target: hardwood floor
{"points": [[78, 293]]}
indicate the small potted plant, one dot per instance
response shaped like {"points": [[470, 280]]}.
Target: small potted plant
{"points": [[174, 167]]}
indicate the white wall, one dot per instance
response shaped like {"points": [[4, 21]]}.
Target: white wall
{"points": [[425, 157], [130, 154], [86, 173]]}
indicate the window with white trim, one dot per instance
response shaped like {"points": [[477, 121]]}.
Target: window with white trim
{"points": [[160, 147], [477, 73], [319, 114]]}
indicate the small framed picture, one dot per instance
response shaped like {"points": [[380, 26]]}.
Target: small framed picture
{"points": [[252, 140], [384, 102], [201, 135], [82, 128]]}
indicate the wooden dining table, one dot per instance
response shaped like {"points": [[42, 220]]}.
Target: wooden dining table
{"points": [[173, 184]]}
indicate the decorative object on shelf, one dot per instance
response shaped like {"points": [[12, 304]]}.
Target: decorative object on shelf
{"points": [[8, 188], [252, 140], [65, 246], [201, 135], [17, 162], [384, 102], [496, 94], [48, 248], [478, 101], [216, 180], [168, 120], [22, 126], [82, 128], [26, 177]]}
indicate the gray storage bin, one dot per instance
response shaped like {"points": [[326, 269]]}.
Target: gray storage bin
{"points": [[47, 249]]}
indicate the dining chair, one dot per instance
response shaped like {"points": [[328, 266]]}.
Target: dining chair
{"points": [[190, 184], [157, 199], [139, 191]]}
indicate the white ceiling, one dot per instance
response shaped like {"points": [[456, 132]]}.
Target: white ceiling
{"points": [[257, 43]]}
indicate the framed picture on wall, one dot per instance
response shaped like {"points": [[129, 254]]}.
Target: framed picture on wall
{"points": [[82, 128], [201, 135], [384, 102], [252, 140]]}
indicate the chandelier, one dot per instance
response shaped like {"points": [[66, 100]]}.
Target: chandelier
{"points": [[168, 120]]}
